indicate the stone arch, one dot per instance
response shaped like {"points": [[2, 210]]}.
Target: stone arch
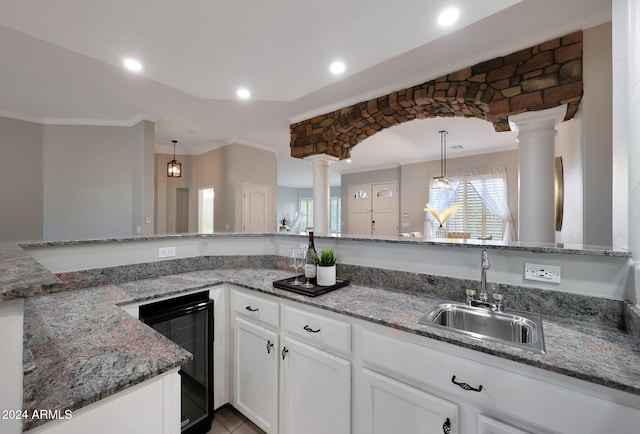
{"points": [[540, 77]]}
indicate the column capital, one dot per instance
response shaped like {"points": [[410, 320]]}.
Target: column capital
{"points": [[537, 120], [321, 158]]}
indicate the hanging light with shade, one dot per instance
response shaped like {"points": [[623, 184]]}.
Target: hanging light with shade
{"points": [[174, 167], [441, 182]]}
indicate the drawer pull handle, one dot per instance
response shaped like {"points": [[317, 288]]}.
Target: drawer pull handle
{"points": [[250, 309], [284, 352], [310, 330], [269, 346], [446, 426], [465, 386]]}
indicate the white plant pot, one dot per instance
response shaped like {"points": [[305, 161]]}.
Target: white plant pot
{"points": [[326, 275]]}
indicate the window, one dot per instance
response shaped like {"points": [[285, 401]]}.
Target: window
{"points": [[335, 214], [361, 194], [306, 208], [472, 215]]}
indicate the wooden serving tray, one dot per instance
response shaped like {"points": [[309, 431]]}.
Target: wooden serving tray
{"points": [[311, 292]]}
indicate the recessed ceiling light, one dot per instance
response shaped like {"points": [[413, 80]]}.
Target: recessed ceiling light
{"points": [[348, 160], [448, 16], [243, 93], [337, 67], [132, 64]]}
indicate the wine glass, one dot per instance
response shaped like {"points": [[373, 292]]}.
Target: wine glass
{"points": [[296, 262]]}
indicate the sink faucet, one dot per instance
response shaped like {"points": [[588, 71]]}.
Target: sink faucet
{"points": [[483, 297], [484, 266]]}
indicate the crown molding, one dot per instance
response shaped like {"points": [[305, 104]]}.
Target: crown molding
{"points": [[135, 119]]}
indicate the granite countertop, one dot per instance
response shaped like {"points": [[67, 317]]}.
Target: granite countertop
{"points": [[85, 348], [22, 276], [533, 247]]}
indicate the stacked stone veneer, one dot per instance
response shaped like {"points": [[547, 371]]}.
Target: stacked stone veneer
{"points": [[540, 77]]}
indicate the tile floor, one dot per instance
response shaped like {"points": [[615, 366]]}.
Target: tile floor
{"points": [[228, 420]]}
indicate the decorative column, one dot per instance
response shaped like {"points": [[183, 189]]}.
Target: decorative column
{"points": [[626, 131], [321, 192], [536, 182]]}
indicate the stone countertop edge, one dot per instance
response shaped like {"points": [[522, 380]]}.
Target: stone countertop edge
{"points": [[560, 248], [21, 276], [79, 347], [85, 348]]}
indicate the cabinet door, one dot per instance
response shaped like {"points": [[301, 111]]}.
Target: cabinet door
{"points": [[387, 406], [316, 391], [256, 374], [488, 425]]}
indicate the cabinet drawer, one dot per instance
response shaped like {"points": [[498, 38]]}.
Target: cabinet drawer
{"points": [[256, 308], [540, 403], [317, 330]]}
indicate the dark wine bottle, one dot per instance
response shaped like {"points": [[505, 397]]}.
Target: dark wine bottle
{"points": [[310, 267]]}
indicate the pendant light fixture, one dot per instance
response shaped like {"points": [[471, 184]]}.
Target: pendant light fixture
{"points": [[441, 182], [174, 167]]}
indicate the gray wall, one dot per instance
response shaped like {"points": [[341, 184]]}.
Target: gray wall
{"points": [[165, 193], [94, 178], [225, 169], [75, 182], [21, 182]]}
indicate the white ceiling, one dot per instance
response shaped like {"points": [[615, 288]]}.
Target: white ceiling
{"points": [[61, 64]]}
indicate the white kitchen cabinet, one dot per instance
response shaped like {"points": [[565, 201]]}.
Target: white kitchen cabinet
{"points": [[11, 326], [526, 398], [256, 374], [387, 406], [151, 407], [315, 391], [391, 381], [290, 377], [489, 425]]}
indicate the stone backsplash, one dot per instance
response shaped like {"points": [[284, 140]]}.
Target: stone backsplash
{"points": [[597, 310]]}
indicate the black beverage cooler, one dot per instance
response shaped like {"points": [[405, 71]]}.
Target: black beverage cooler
{"points": [[188, 321]]}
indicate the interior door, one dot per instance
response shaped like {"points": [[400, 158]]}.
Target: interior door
{"points": [[384, 209], [359, 219], [256, 208]]}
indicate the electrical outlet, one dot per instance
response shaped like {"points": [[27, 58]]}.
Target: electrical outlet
{"points": [[542, 273], [166, 252]]}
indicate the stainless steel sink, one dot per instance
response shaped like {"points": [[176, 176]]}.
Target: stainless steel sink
{"points": [[522, 330]]}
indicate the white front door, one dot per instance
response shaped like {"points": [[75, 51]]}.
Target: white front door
{"points": [[359, 219], [256, 208], [384, 209]]}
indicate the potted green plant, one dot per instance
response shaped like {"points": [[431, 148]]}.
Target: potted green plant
{"points": [[326, 262]]}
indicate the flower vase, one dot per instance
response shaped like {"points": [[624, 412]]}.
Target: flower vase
{"points": [[441, 232]]}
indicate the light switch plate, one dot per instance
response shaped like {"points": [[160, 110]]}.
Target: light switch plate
{"points": [[542, 273], [166, 252]]}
